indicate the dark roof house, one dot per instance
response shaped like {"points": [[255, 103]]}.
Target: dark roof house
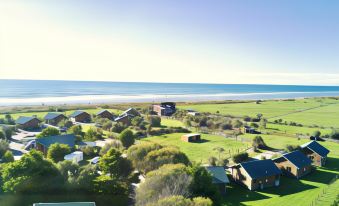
{"points": [[80, 116], [316, 152], [54, 118], [42, 144], [27, 122], [219, 177], [131, 111], [105, 114]]}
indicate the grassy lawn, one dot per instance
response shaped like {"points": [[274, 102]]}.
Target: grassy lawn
{"points": [[199, 152], [171, 122], [292, 130]]}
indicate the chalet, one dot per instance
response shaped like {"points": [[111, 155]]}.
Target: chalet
{"points": [[191, 137], [315, 152], [257, 174], [27, 122], [105, 114], [54, 118], [164, 108], [219, 177], [42, 144], [80, 116], [294, 164], [125, 119], [131, 112]]}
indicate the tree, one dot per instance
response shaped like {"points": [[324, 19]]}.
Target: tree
{"points": [[107, 126], [85, 180], [334, 134], [118, 127], [212, 161], [259, 116], [237, 123], [168, 180], [316, 134], [77, 131], [155, 121], [116, 144], [258, 143], [254, 125], [65, 123], [56, 152], [68, 169], [182, 201], [137, 154], [4, 146], [263, 123], [93, 134], [220, 150], [7, 157], [49, 131], [31, 174], [241, 157], [136, 121], [88, 151], [115, 165], [108, 185], [127, 138], [2, 134], [291, 148]]}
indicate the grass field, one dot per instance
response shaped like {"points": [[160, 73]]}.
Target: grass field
{"points": [[171, 122], [199, 152], [293, 130]]}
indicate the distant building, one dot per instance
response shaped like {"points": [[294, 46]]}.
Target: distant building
{"points": [[294, 164], [131, 112], [315, 152], [257, 174], [76, 156], [27, 122], [250, 130], [219, 177], [124, 119], [164, 108], [191, 137], [80, 116], [54, 118], [66, 204], [42, 144], [105, 114]]}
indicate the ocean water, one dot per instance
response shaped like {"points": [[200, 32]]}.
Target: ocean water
{"points": [[37, 92]]}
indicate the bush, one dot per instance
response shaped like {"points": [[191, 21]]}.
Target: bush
{"points": [[291, 148], [7, 157], [241, 157], [334, 134], [127, 138], [88, 151], [212, 161], [154, 121], [56, 152], [49, 131], [258, 143], [93, 134], [118, 127]]}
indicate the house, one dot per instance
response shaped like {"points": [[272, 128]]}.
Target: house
{"points": [[164, 108], [27, 122], [219, 177], [131, 112], [191, 137], [76, 156], [125, 119], [66, 204], [249, 130], [80, 116], [315, 152], [54, 118], [105, 114], [42, 144], [258, 174], [294, 164]]}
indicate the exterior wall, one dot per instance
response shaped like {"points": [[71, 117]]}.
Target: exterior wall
{"points": [[106, 115], [125, 120], [239, 175], [34, 123], [84, 117], [194, 138], [294, 171], [304, 171], [316, 159], [41, 148], [56, 120], [158, 109]]}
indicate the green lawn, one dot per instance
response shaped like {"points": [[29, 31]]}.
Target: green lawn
{"points": [[199, 152], [293, 130], [171, 122]]}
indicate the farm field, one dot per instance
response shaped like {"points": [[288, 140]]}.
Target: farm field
{"points": [[171, 122], [199, 152], [293, 130]]}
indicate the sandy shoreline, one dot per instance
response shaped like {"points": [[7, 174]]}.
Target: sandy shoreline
{"points": [[96, 99]]}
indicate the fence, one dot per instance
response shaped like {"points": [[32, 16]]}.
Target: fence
{"points": [[331, 187]]}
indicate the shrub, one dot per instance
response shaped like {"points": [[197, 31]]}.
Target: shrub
{"points": [[241, 157], [258, 143], [127, 138], [154, 121], [49, 131], [56, 152]]}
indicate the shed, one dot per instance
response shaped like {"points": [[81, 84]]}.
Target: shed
{"points": [[76, 156], [191, 137], [219, 177]]}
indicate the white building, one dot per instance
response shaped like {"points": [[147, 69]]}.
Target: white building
{"points": [[76, 156]]}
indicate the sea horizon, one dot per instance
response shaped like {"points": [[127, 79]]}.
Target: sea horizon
{"points": [[52, 92]]}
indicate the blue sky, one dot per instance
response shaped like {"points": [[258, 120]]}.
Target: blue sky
{"points": [[238, 41]]}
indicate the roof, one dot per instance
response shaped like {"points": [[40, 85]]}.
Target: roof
{"points": [[317, 148], [260, 168], [123, 116], [68, 139], [131, 110], [218, 174], [66, 204], [52, 115], [102, 111], [298, 159], [24, 120], [77, 113], [191, 135]]}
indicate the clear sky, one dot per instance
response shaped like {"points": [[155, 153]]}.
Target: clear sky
{"points": [[217, 41]]}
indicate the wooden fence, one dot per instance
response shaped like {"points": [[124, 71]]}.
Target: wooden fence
{"points": [[325, 191]]}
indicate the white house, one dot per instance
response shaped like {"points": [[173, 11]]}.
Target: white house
{"points": [[76, 156]]}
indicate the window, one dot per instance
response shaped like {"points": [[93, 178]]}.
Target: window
{"points": [[266, 180], [288, 169]]}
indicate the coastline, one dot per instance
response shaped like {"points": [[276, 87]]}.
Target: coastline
{"points": [[100, 99]]}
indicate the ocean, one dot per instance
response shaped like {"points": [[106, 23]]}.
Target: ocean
{"points": [[38, 92]]}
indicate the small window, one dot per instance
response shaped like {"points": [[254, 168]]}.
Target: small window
{"points": [[266, 180], [304, 169], [288, 169]]}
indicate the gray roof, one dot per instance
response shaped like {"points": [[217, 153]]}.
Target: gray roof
{"points": [[77, 113], [52, 115], [316, 147], [102, 111], [260, 168], [218, 174], [68, 139], [24, 120], [66, 204], [298, 159]]}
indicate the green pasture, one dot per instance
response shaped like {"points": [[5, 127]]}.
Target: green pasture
{"points": [[171, 122], [293, 130]]}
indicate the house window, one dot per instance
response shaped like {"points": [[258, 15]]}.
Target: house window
{"points": [[311, 157], [304, 169], [288, 169], [266, 180]]}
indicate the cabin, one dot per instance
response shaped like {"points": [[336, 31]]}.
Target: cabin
{"points": [[54, 118], [219, 177], [258, 174], [80, 116], [294, 164], [105, 114], [27, 122], [42, 144], [131, 112], [315, 152], [191, 138], [250, 130], [124, 119], [164, 108]]}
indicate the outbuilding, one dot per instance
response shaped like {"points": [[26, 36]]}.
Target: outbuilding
{"points": [[76, 156], [294, 164], [191, 137], [219, 177]]}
